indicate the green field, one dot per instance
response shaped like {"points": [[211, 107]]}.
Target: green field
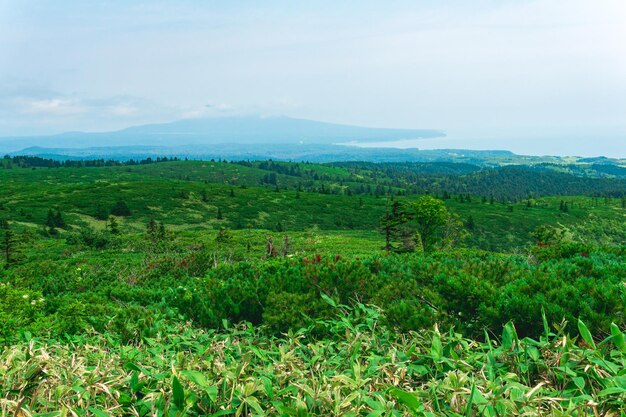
{"points": [[263, 288]]}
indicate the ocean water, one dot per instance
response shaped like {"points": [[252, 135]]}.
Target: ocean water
{"points": [[613, 146]]}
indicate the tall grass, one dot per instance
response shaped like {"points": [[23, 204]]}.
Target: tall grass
{"points": [[359, 367]]}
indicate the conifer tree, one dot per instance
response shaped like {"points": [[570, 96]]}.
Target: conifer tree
{"points": [[120, 209], [50, 219], [101, 213], [59, 221], [161, 232], [113, 226], [470, 224], [9, 246], [151, 230]]}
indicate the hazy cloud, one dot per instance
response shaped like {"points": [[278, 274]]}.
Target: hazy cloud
{"points": [[481, 66]]}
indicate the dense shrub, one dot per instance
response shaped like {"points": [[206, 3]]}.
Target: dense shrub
{"points": [[470, 290]]}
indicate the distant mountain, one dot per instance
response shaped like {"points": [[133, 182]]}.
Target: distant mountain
{"points": [[213, 131]]}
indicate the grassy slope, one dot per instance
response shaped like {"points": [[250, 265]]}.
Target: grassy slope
{"points": [[441, 372], [172, 193]]}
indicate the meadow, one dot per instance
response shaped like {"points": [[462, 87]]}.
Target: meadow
{"points": [[264, 288]]}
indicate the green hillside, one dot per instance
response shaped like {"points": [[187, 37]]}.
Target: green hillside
{"points": [[264, 288]]}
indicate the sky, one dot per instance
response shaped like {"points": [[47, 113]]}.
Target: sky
{"points": [[536, 75]]}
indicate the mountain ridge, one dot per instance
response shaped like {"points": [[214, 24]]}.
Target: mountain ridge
{"points": [[212, 131]]}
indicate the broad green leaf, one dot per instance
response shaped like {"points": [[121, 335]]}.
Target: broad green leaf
{"points": [[579, 382], [98, 413], [406, 398], [618, 337], [178, 394], [544, 320], [508, 336], [611, 391], [267, 384], [134, 382], [197, 378], [586, 334], [328, 300], [436, 349], [620, 381], [254, 403]]}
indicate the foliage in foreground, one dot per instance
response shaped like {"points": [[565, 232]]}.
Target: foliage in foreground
{"points": [[360, 368], [470, 290]]}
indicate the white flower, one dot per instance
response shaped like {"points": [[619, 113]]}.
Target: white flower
{"points": [[25, 296]]}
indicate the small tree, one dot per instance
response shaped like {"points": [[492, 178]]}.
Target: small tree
{"points": [[113, 226], [152, 230], [430, 216], [470, 224], [120, 209], [393, 226], [286, 246], [101, 213], [161, 232], [54, 220], [222, 238], [50, 219], [219, 214], [9, 246], [59, 220]]}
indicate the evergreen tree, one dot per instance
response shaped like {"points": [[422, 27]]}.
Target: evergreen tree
{"points": [[391, 225], [470, 223], [54, 220], [101, 213], [120, 209], [59, 221], [113, 226], [50, 219], [151, 230], [9, 247], [161, 232], [219, 214]]}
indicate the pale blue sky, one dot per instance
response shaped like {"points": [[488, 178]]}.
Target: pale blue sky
{"points": [[500, 69]]}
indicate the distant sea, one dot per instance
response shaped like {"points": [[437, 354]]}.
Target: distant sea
{"points": [[576, 145]]}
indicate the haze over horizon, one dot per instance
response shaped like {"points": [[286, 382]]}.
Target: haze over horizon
{"points": [[534, 77]]}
